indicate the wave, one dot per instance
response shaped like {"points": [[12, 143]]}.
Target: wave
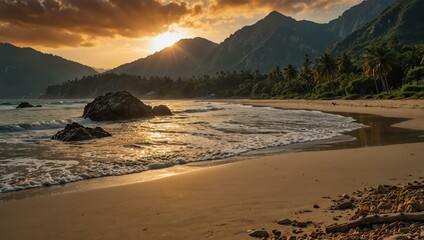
{"points": [[68, 103], [6, 104], [200, 110], [42, 125]]}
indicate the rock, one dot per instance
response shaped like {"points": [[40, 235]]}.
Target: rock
{"points": [[77, 132], [259, 233], [276, 233], [342, 205], [316, 205], [116, 106], [284, 221], [383, 206], [26, 105], [161, 110], [397, 237], [417, 206], [292, 238], [381, 189], [301, 224]]}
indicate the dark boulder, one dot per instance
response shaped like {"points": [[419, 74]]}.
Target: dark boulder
{"points": [[161, 110], [76, 132], [116, 106], [26, 105]]}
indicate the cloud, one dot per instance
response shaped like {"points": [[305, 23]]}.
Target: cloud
{"points": [[285, 6], [79, 22]]}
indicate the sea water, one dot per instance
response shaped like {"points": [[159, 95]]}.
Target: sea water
{"points": [[198, 131]]}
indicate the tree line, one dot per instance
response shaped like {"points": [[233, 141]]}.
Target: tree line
{"points": [[391, 70]]}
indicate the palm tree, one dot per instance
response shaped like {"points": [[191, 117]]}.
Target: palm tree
{"points": [[378, 62], [290, 72], [345, 64], [305, 74], [410, 59], [276, 74], [306, 62], [325, 69]]}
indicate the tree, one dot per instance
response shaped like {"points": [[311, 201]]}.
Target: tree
{"points": [[378, 62], [306, 75], [325, 69], [345, 64], [290, 72], [410, 59], [276, 74]]}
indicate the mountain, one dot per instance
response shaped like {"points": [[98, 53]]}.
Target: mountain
{"points": [[278, 39], [175, 61], [404, 20], [25, 72], [358, 16], [274, 40]]}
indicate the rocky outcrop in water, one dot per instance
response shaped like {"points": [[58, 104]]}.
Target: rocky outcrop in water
{"points": [[76, 132], [116, 106], [121, 106], [26, 105], [161, 110]]}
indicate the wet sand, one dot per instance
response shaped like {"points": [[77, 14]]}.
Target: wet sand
{"points": [[225, 201]]}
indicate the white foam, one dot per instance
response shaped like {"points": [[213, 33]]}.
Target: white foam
{"points": [[140, 145]]}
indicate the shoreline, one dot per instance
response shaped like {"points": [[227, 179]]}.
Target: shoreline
{"points": [[381, 133], [410, 109], [221, 202]]}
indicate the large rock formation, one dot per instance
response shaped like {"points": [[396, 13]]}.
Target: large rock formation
{"points": [[116, 106], [77, 132]]}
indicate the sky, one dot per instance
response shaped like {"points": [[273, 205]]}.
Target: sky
{"points": [[108, 33]]}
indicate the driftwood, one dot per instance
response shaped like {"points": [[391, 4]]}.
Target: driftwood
{"points": [[376, 219]]}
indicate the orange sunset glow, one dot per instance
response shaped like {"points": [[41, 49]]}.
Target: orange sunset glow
{"points": [[211, 119], [93, 32]]}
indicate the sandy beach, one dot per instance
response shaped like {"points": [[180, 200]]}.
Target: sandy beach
{"points": [[225, 201]]}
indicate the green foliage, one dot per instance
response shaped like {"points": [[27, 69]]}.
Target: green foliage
{"points": [[416, 73], [411, 90], [360, 85]]}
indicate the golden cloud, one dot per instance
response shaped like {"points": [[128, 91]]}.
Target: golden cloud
{"points": [[56, 23], [78, 22], [286, 6]]}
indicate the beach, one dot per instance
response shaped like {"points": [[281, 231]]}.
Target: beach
{"points": [[225, 201]]}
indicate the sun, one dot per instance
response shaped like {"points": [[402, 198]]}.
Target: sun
{"points": [[166, 39]]}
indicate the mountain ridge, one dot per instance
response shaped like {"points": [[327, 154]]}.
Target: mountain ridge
{"points": [[27, 72], [178, 59], [277, 39], [394, 22]]}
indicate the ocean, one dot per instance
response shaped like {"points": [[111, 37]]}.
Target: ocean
{"points": [[198, 131]]}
